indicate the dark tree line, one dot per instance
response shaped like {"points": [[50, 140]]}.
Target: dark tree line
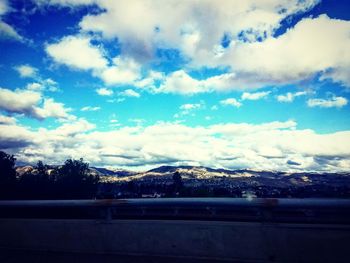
{"points": [[70, 181], [7, 175]]}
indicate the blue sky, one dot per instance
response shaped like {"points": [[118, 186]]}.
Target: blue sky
{"points": [[136, 84]]}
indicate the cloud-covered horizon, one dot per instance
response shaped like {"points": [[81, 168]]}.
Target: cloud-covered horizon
{"points": [[267, 146]]}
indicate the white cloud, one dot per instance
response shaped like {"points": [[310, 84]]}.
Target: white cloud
{"points": [[13, 136], [118, 100], [90, 108], [289, 96], [52, 109], [66, 3], [231, 102], [50, 82], [254, 96], [188, 108], [50, 85], [104, 92], [149, 81], [129, 93], [42, 85], [187, 27], [339, 74], [114, 123], [8, 32], [77, 52], [180, 82], [254, 58], [72, 128], [35, 86], [7, 120], [19, 101], [26, 71], [28, 102], [271, 62], [4, 7], [337, 102], [123, 71], [234, 145], [319, 44]]}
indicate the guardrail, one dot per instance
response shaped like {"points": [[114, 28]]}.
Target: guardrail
{"points": [[331, 211]]}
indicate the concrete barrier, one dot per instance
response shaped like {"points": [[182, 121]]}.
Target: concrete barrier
{"points": [[175, 238]]}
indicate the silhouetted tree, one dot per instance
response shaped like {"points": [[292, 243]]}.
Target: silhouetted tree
{"points": [[177, 182], [73, 180], [7, 176], [41, 170], [36, 184]]}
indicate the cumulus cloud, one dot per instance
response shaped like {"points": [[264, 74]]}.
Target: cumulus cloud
{"points": [[53, 109], [123, 71], [26, 71], [337, 102], [254, 96], [180, 82], [104, 92], [319, 44], [77, 52], [14, 137], [28, 102], [231, 102], [289, 96], [7, 120], [268, 146], [19, 101], [71, 128]]}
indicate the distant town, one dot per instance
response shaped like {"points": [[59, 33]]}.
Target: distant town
{"points": [[190, 181]]}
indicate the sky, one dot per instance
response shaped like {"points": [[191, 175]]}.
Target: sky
{"points": [[257, 84]]}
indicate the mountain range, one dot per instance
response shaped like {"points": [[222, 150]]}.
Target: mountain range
{"points": [[210, 175]]}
